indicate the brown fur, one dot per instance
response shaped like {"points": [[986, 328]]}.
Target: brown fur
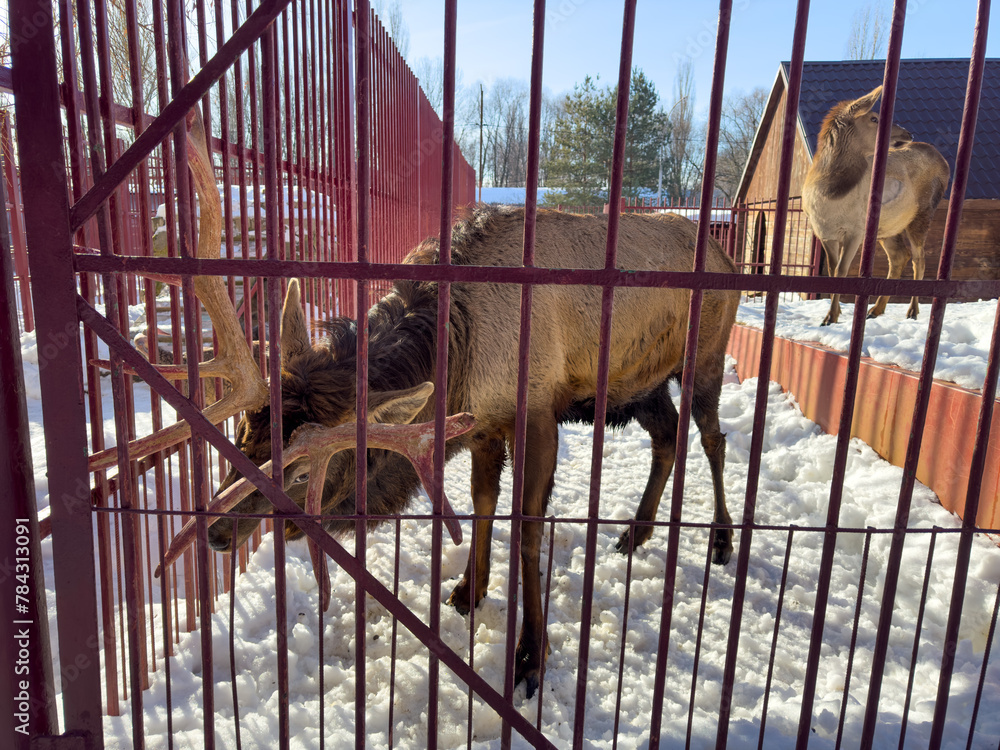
{"points": [[647, 347], [835, 194]]}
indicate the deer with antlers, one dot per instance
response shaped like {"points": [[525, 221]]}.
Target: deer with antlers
{"points": [[835, 194], [318, 389]]}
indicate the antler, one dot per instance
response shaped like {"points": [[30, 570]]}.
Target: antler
{"points": [[248, 391], [319, 444], [234, 363]]}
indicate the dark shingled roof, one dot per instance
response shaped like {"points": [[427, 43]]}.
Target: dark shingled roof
{"points": [[929, 101]]}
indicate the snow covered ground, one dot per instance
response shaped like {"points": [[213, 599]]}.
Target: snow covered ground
{"points": [[794, 490], [891, 338]]}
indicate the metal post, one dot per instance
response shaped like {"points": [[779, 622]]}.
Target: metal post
{"points": [[47, 227], [13, 198], [28, 685], [480, 143]]}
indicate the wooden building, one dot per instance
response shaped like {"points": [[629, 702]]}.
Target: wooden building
{"points": [[929, 103]]}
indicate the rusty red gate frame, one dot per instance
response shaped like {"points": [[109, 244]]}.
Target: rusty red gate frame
{"points": [[52, 222]]}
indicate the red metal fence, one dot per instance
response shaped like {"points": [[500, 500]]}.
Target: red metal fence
{"points": [[142, 619], [15, 214], [335, 199]]}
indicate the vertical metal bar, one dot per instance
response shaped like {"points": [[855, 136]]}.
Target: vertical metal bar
{"points": [[79, 170], [963, 161], [13, 192], [698, 638], [854, 636], [36, 100], [687, 378], [109, 233], [443, 341], [789, 134], [400, 98], [374, 142], [279, 163], [524, 343], [348, 210], [125, 406], [774, 638], [982, 672], [395, 629], [28, 685], [258, 217], [232, 639], [854, 357], [603, 365], [226, 149], [621, 652], [298, 191], [969, 523], [275, 239], [362, 22], [545, 620], [169, 617], [177, 60], [141, 183], [472, 630], [286, 167], [916, 638], [318, 196], [328, 129], [308, 173]]}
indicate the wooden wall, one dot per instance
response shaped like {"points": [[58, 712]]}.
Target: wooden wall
{"points": [[760, 204]]}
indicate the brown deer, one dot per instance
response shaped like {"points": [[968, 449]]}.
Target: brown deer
{"points": [[647, 350], [647, 346], [835, 194]]}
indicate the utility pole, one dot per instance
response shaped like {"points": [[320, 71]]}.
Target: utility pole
{"points": [[480, 143], [659, 184]]}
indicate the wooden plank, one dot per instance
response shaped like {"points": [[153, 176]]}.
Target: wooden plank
{"points": [[883, 413]]}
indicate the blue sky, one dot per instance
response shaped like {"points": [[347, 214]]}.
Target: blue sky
{"points": [[584, 37]]}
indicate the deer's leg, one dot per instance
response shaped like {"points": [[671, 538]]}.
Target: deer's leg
{"points": [[705, 408], [844, 252], [658, 416], [833, 250], [541, 449], [487, 466], [916, 233], [895, 249]]}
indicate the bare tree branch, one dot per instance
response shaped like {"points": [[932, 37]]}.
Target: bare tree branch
{"points": [[680, 171], [390, 12], [740, 117], [869, 33]]}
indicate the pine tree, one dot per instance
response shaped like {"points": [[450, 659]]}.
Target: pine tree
{"points": [[583, 141], [647, 137], [581, 151]]}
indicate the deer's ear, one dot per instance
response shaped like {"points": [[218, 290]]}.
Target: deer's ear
{"points": [[864, 105], [398, 407], [294, 334]]}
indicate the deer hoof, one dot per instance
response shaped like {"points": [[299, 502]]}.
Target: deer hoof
{"points": [[529, 667], [723, 547], [828, 320], [633, 538], [911, 314], [874, 313], [461, 598]]}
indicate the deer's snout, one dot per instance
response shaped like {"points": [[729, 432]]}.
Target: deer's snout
{"points": [[900, 136], [219, 539]]}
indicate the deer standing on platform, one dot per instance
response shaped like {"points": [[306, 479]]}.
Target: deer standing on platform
{"points": [[835, 194]]}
